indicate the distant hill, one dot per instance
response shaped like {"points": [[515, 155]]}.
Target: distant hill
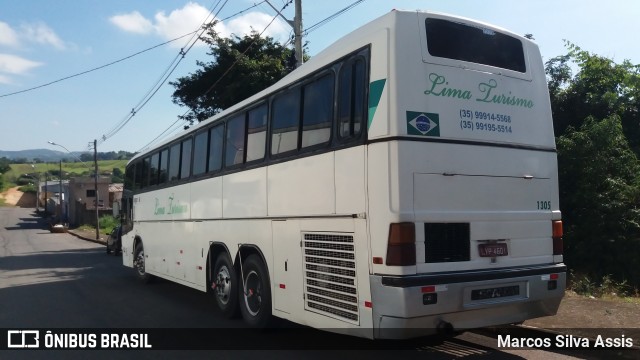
{"points": [[46, 155]]}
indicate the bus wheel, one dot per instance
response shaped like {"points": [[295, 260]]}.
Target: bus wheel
{"points": [[225, 286], [138, 264], [255, 303]]}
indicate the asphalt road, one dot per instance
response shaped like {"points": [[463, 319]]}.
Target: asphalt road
{"points": [[59, 281]]}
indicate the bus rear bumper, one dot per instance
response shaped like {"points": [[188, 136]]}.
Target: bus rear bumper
{"points": [[412, 306]]}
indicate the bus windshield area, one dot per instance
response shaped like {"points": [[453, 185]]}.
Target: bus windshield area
{"points": [[478, 45]]}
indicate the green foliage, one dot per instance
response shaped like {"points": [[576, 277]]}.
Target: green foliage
{"points": [[107, 223], [584, 285], [241, 67], [4, 165], [601, 88], [117, 176], [24, 180], [596, 116], [71, 169], [31, 188], [600, 200]]}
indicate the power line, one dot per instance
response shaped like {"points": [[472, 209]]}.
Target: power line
{"points": [[167, 73], [165, 76], [325, 21], [97, 68], [219, 79], [119, 60], [161, 80]]}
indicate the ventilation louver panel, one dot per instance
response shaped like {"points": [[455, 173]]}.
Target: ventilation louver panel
{"points": [[330, 275]]}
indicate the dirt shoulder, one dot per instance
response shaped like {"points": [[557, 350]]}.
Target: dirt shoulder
{"points": [[15, 197], [590, 317]]}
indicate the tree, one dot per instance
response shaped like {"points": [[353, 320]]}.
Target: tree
{"points": [[601, 88], [117, 176], [600, 200], [4, 165], [241, 67]]}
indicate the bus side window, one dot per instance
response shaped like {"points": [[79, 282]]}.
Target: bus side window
{"points": [[154, 169], [285, 122], [351, 99], [164, 171], [216, 139], [145, 172], [137, 181], [234, 152], [129, 177], [185, 164], [174, 162], [256, 133], [318, 111], [200, 153]]}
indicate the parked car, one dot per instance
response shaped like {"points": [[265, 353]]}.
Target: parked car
{"points": [[114, 242]]}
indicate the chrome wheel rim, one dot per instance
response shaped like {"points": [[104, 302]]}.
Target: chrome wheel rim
{"points": [[253, 293], [223, 285], [140, 262]]}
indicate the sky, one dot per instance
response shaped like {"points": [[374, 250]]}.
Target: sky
{"points": [[42, 41]]}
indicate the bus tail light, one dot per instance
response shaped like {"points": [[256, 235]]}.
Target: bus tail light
{"points": [[401, 246], [557, 237]]}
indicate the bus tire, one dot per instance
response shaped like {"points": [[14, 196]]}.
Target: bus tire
{"points": [[139, 264], [225, 285], [255, 294]]}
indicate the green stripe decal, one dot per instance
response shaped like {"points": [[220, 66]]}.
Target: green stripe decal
{"points": [[375, 93]]}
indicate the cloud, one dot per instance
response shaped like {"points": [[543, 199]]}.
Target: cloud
{"points": [[16, 65], [5, 80], [40, 33], [181, 21], [190, 17], [258, 21], [8, 36], [133, 22]]}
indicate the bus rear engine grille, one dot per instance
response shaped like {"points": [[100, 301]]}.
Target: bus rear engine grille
{"points": [[330, 276], [447, 242]]}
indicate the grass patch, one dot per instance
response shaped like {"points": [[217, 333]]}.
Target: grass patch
{"points": [[606, 287], [108, 223], [68, 169]]}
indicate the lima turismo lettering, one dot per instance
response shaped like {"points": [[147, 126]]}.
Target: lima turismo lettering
{"points": [[489, 94]]}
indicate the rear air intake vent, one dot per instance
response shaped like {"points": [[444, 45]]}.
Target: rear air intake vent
{"points": [[330, 275], [446, 242]]}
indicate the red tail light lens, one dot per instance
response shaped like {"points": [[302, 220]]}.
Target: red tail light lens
{"points": [[557, 237], [401, 246]]}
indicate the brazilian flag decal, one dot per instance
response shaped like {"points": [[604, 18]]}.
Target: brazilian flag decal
{"points": [[423, 124]]}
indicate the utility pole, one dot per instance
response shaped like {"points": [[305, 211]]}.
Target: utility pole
{"points": [[60, 192], [297, 30], [95, 182], [296, 24], [46, 191]]}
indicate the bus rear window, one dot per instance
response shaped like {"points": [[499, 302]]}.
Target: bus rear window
{"points": [[478, 45]]}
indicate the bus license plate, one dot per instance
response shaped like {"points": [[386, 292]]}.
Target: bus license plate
{"points": [[494, 293], [493, 250]]}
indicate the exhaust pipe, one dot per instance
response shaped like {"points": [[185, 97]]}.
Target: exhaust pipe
{"points": [[444, 328]]}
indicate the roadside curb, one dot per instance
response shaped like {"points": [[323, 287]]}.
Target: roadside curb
{"points": [[101, 242]]}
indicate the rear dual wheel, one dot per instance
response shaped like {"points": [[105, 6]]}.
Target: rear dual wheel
{"points": [[255, 295]]}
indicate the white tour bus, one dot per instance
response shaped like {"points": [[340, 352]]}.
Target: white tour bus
{"points": [[401, 182]]}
